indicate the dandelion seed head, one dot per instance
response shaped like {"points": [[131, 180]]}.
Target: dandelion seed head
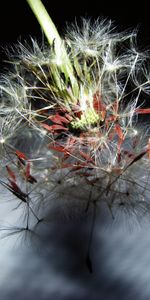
{"points": [[70, 120]]}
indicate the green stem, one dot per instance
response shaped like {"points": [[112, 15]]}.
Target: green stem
{"points": [[45, 21], [53, 36]]}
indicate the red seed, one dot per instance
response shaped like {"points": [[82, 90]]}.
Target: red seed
{"points": [[11, 173], [54, 127], [58, 119], [143, 110], [21, 155]]}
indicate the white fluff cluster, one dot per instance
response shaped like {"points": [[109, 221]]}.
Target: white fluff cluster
{"points": [[72, 143]]}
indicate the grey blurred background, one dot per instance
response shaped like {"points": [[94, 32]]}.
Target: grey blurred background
{"points": [[52, 263]]}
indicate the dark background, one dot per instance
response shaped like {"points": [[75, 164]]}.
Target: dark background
{"points": [[18, 22]]}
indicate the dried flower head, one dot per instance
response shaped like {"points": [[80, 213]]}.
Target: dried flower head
{"points": [[71, 135]]}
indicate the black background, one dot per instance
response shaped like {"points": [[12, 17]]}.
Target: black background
{"points": [[18, 22]]}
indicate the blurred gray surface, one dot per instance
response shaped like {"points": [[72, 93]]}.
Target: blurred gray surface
{"points": [[54, 267]]}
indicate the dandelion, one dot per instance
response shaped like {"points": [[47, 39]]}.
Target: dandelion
{"points": [[77, 102]]}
